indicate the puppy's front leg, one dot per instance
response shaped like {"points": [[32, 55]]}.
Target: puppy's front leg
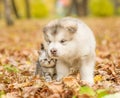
{"points": [[62, 70], [87, 69]]}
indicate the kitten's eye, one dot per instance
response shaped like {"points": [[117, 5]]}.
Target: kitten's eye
{"points": [[63, 41], [48, 42], [45, 59], [52, 59]]}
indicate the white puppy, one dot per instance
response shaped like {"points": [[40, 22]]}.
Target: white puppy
{"points": [[72, 43]]}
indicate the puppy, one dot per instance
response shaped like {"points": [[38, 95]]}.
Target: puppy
{"points": [[72, 43]]}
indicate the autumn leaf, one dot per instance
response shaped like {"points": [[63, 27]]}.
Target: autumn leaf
{"points": [[87, 90], [97, 78], [2, 93], [101, 93], [10, 68], [116, 95]]}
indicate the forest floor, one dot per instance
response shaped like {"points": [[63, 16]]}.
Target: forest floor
{"points": [[18, 53]]}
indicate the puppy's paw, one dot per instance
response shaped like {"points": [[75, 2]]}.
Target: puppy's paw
{"points": [[59, 78], [89, 83]]}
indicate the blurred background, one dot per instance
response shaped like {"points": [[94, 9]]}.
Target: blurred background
{"points": [[11, 10]]}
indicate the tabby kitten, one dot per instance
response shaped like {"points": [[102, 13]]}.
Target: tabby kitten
{"points": [[45, 65]]}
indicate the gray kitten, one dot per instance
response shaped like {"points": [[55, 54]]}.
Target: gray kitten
{"points": [[45, 65]]}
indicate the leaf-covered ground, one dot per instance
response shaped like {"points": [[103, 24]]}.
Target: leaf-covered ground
{"points": [[18, 52]]}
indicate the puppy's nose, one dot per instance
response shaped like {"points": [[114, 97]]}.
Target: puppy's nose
{"points": [[53, 51]]}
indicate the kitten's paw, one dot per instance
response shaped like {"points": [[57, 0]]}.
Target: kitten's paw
{"points": [[48, 79]]}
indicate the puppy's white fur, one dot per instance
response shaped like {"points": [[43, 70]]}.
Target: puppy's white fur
{"points": [[75, 46]]}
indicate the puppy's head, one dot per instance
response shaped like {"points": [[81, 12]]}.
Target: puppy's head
{"points": [[59, 37]]}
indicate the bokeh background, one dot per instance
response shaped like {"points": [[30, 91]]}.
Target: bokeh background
{"points": [[10, 10]]}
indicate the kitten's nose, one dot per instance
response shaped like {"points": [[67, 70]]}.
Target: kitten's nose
{"points": [[49, 61], [53, 51]]}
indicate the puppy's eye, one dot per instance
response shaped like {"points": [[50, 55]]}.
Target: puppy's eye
{"points": [[63, 41]]}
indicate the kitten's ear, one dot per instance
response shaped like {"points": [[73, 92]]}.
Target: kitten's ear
{"points": [[72, 29], [42, 47], [39, 52]]}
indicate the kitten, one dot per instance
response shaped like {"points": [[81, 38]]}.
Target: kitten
{"points": [[45, 65]]}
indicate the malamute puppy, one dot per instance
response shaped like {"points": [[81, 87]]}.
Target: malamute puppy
{"points": [[72, 43]]}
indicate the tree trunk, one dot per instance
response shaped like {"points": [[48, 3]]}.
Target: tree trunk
{"points": [[7, 12], [27, 8], [75, 5], [0, 10], [69, 9], [15, 9], [116, 5], [84, 7]]}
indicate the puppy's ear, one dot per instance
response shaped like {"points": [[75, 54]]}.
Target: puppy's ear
{"points": [[45, 29], [72, 29]]}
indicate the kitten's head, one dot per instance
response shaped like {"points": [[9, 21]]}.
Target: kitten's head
{"points": [[44, 59]]}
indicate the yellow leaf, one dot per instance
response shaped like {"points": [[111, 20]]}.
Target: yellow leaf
{"points": [[97, 78]]}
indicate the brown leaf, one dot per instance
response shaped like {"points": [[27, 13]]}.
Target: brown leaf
{"points": [[70, 81], [55, 87]]}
